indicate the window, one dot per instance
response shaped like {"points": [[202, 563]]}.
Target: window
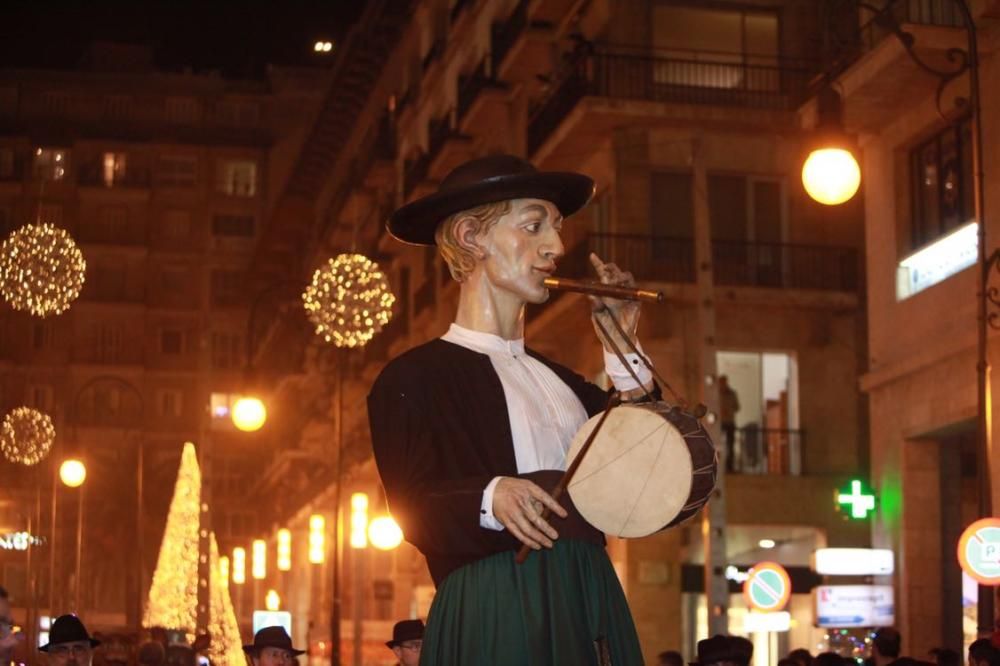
{"points": [[169, 403], [54, 103], [6, 163], [238, 178], [173, 280], [227, 288], [177, 171], [42, 334], [109, 343], [117, 106], [715, 47], [114, 221], [50, 163], [114, 168], [171, 341], [6, 222], [745, 208], [227, 350], [238, 113], [233, 225], [177, 224], [40, 397], [50, 213], [941, 173], [183, 110]]}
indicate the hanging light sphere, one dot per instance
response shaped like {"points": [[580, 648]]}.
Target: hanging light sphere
{"points": [[26, 436], [384, 533], [831, 176], [72, 473], [249, 414], [349, 300], [41, 270]]}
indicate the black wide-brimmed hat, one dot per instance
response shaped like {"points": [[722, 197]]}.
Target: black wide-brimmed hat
{"points": [[488, 180], [68, 629], [406, 630], [272, 637]]}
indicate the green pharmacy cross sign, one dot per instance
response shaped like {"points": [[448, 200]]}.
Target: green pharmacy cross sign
{"points": [[856, 499]]}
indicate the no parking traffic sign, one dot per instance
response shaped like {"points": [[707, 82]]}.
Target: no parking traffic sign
{"points": [[767, 587], [979, 551]]}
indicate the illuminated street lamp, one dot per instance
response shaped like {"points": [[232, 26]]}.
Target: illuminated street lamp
{"points": [[317, 538], [384, 533], [258, 563], [72, 473], [239, 565], [284, 560], [831, 175], [272, 601], [249, 414]]}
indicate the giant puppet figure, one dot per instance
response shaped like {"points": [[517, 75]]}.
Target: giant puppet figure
{"points": [[471, 429]]}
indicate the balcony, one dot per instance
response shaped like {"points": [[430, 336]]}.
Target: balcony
{"points": [[613, 79], [112, 234], [481, 99], [767, 451], [520, 45], [505, 34], [447, 147], [878, 80], [735, 263], [93, 175]]}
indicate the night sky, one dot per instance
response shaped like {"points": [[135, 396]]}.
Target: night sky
{"points": [[237, 38]]}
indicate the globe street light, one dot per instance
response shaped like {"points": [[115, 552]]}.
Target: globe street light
{"points": [[249, 414], [73, 473], [384, 533], [831, 175]]}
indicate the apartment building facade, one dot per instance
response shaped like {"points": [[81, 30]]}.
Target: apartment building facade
{"points": [[162, 179]]}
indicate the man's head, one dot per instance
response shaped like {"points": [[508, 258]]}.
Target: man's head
{"points": [[800, 656], [272, 646], [886, 643], [670, 658], [722, 650], [69, 643], [982, 653], [513, 245], [407, 641]]}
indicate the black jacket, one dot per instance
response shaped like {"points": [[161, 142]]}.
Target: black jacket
{"points": [[441, 432]]}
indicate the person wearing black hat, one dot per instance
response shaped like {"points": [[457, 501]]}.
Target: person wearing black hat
{"points": [[272, 646], [469, 430], [722, 650], [69, 643], [407, 639]]}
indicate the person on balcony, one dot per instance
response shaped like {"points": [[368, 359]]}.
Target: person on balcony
{"points": [[470, 429]]}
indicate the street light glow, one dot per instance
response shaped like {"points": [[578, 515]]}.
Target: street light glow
{"points": [[284, 550], [272, 601], [317, 538], [831, 176], [239, 565], [224, 569], [249, 414], [323, 47], [258, 564], [384, 533], [72, 473], [359, 520]]}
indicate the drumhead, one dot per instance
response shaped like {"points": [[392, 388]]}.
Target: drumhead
{"points": [[636, 477]]}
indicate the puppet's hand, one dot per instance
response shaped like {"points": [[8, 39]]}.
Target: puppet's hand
{"points": [[518, 505], [626, 312]]}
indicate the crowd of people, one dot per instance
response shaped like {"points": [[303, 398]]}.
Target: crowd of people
{"points": [[886, 650]]}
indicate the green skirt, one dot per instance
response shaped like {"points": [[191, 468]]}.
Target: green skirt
{"points": [[561, 607]]}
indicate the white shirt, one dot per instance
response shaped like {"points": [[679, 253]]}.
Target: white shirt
{"points": [[544, 412]]}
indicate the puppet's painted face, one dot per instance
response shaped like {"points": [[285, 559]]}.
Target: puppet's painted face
{"points": [[522, 249]]}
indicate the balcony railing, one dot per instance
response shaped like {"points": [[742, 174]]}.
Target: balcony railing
{"points": [[92, 175], [690, 78], [943, 13], [769, 451], [736, 263], [470, 86], [112, 234], [505, 34]]}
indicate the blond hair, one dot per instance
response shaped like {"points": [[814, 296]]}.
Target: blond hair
{"points": [[462, 261]]}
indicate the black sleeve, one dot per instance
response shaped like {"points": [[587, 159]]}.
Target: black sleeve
{"points": [[439, 516]]}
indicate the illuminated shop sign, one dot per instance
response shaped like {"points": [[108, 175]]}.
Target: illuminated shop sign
{"points": [[938, 261], [853, 561]]}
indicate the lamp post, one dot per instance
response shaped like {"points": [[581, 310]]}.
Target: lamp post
{"points": [[968, 62], [73, 473], [137, 425]]}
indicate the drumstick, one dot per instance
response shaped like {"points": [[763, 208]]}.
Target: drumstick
{"points": [[567, 476]]}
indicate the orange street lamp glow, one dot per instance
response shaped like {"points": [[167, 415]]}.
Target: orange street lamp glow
{"points": [[72, 473], [272, 601], [258, 564], [239, 565], [317, 538], [384, 533], [249, 414], [831, 176], [284, 561], [359, 520]]}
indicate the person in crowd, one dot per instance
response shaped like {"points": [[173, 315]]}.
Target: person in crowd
{"points": [[9, 638], [942, 656], [886, 645], [69, 643], [669, 658], [272, 646], [829, 659], [801, 656], [729, 404], [407, 639], [722, 650], [983, 653]]}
